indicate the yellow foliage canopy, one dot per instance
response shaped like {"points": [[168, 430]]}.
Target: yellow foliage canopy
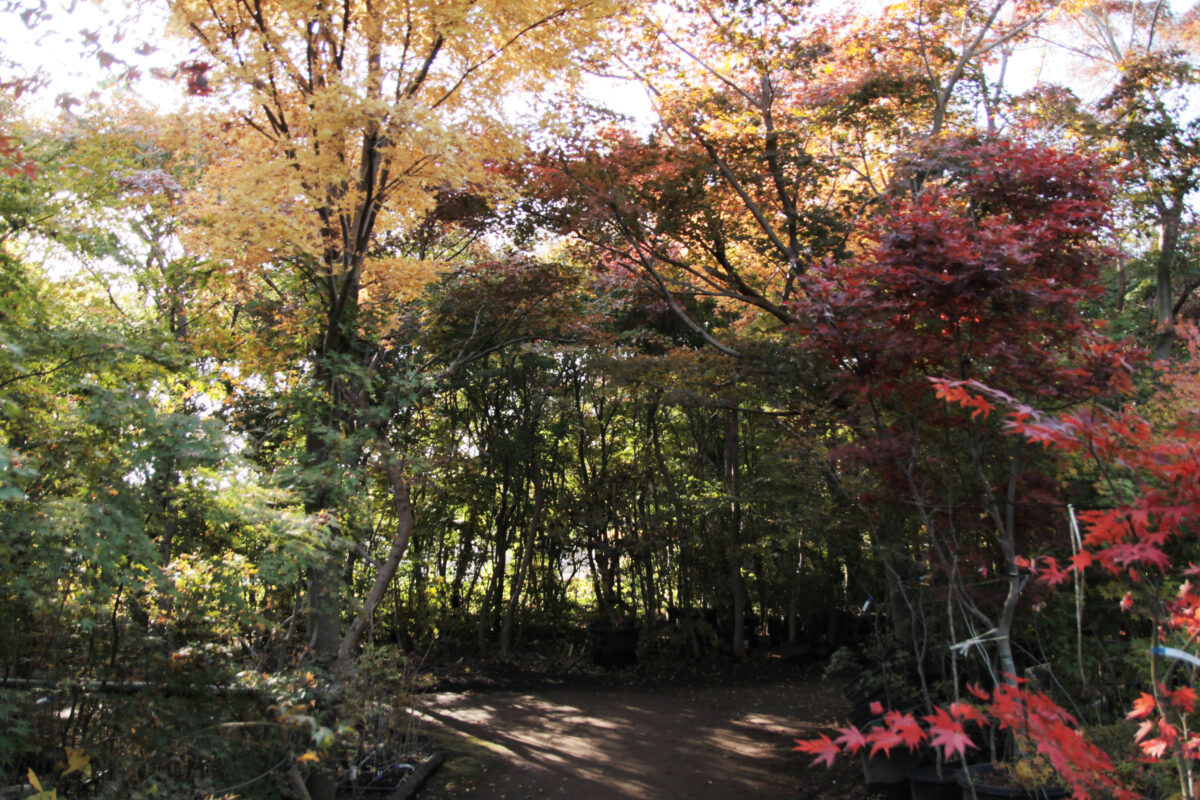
{"points": [[349, 118]]}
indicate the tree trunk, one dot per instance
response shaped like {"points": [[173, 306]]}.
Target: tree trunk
{"points": [[323, 617], [527, 548], [464, 559], [737, 584], [602, 587], [794, 592], [1164, 332], [402, 507], [738, 589]]}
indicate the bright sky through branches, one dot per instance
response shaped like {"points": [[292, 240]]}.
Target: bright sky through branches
{"points": [[75, 48]]}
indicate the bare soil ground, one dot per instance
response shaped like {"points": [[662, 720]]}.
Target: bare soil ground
{"points": [[727, 733]]}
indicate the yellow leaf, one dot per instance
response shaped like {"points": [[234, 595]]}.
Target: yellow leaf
{"points": [[311, 755], [33, 781], [78, 761]]}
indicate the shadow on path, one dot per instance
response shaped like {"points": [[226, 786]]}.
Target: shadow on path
{"points": [[648, 743]]}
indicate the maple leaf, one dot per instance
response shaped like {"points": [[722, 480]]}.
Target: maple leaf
{"points": [[1142, 707], [1081, 560], [1155, 748], [78, 761], [979, 692], [883, 739], [1183, 698], [1127, 601], [851, 739], [952, 741], [947, 734], [967, 712], [822, 747], [1052, 573], [907, 728]]}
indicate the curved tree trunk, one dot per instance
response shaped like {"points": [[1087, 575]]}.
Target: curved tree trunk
{"points": [[402, 506], [527, 548]]}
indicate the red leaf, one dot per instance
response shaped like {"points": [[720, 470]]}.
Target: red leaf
{"points": [[948, 734], [952, 742], [851, 740], [1183, 698], [1155, 748], [883, 739], [823, 748], [1142, 707], [968, 713], [909, 731]]}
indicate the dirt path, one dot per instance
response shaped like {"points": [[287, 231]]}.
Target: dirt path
{"points": [[648, 742]]}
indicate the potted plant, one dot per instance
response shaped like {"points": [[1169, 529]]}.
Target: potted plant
{"points": [[886, 774], [936, 782], [1029, 778]]}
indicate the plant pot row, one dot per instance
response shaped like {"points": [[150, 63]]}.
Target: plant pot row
{"points": [[900, 777]]}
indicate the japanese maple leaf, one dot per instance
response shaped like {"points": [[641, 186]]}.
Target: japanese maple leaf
{"points": [[851, 739], [909, 731], [882, 739], [1183, 698], [1142, 707], [823, 748], [965, 711], [1155, 748], [948, 734], [1052, 573]]}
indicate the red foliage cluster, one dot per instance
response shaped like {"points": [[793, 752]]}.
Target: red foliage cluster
{"points": [[980, 278], [982, 274], [1085, 767], [13, 161], [1157, 452], [196, 73], [944, 729]]}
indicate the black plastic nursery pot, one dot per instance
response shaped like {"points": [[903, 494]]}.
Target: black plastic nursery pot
{"points": [[887, 775], [980, 782], [924, 783]]}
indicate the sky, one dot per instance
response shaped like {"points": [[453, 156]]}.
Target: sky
{"points": [[78, 47], [84, 46]]}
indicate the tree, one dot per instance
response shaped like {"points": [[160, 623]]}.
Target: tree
{"points": [[777, 128], [982, 274], [1146, 115], [1140, 533], [1142, 57], [353, 119]]}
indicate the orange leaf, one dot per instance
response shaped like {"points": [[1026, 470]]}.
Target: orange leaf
{"points": [[1142, 707]]}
